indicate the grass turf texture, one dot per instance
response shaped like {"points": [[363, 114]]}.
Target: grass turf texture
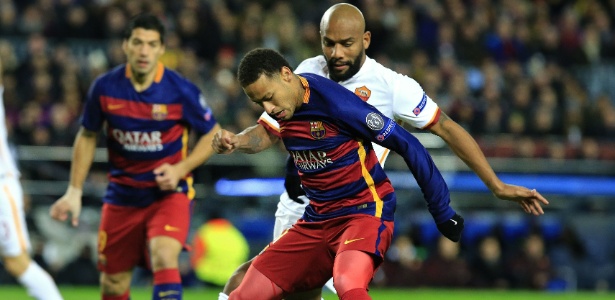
{"points": [[10, 292]]}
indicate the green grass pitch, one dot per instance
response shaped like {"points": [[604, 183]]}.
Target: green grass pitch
{"points": [[10, 292]]}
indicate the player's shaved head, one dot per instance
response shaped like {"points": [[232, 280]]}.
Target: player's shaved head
{"points": [[344, 40], [343, 14]]}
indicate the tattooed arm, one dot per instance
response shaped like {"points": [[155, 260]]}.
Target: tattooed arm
{"points": [[252, 140]]}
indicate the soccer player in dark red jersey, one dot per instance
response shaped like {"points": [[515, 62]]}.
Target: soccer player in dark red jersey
{"points": [[348, 225], [148, 111]]}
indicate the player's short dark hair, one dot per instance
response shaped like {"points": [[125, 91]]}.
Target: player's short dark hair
{"points": [[260, 61], [145, 21]]}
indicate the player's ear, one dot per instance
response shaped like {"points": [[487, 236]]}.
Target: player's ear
{"points": [[367, 39], [286, 73], [125, 46]]}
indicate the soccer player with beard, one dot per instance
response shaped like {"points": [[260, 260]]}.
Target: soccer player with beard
{"points": [[397, 96], [147, 111]]}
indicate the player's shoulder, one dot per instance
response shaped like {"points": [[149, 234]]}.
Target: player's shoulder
{"points": [[112, 76], [316, 65], [180, 82], [388, 75]]}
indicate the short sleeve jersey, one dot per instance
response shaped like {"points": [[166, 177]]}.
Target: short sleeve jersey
{"points": [[144, 129], [8, 167], [330, 141], [397, 96]]}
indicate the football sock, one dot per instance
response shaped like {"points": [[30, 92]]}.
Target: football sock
{"points": [[167, 285], [356, 294], [222, 296], [38, 283]]}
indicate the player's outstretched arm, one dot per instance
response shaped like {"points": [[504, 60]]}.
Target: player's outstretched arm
{"points": [[83, 156], [252, 140], [466, 148]]}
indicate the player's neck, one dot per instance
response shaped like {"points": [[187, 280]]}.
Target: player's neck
{"points": [[142, 82]]}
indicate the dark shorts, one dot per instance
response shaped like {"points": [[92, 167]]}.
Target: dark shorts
{"points": [[125, 231], [302, 258]]}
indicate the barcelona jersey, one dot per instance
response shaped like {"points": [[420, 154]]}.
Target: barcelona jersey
{"points": [[144, 130], [330, 141]]}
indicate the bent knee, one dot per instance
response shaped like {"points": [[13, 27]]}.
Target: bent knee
{"points": [[237, 277], [115, 284], [347, 282]]}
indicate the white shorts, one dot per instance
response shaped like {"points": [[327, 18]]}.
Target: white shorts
{"points": [[288, 213], [14, 239]]}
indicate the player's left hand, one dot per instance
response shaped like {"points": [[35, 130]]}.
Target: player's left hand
{"points": [[167, 177], [529, 200]]}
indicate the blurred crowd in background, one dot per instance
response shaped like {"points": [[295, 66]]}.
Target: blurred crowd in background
{"points": [[527, 78]]}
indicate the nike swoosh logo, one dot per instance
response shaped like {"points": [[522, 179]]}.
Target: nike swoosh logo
{"points": [[167, 293], [454, 221], [170, 228], [346, 242], [114, 106]]}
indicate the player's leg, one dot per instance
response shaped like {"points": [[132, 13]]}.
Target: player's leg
{"points": [[360, 250], [352, 272], [235, 280], [287, 214], [165, 267], [115, 286], [37, 282], [167, 231], [256, 286], [15, 243], [121, 246]]}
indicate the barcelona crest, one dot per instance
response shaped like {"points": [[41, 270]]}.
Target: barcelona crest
{"points": [[363, 93], [159, 112], [317, 130]]}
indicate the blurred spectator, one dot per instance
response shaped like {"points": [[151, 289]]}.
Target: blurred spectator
{"points": [[530, 267], [445, 267], [488, 268], [403, 263]]}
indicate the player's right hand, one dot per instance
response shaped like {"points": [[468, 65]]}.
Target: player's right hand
{"points": [[224, 142], [70, 203]]}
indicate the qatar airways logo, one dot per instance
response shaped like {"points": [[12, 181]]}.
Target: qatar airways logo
{"points": [[310, 160], [138, 141]]}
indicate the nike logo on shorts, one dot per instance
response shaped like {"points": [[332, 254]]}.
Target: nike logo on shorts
{"points": [[170, 228], [346, 242]]}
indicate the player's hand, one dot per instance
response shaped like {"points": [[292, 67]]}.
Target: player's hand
{"points": [[529, 200], [452, 228], [224, 142], [69, 204], [168, 176]]}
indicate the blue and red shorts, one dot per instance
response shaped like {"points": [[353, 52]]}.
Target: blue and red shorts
{"points": [[125, 231], [302, 258]]}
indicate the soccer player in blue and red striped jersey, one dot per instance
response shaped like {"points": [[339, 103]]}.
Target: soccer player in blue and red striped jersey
{"points": [[147, 112], [348, 225]]}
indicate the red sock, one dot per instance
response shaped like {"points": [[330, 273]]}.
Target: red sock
{"points": [[125, 296], [356, 294], [167, 276]]}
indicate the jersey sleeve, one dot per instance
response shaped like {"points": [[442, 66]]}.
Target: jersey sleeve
{"points": [[92, 118], [369, 123], [270, 124], [197, 112], [412, 105]]}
